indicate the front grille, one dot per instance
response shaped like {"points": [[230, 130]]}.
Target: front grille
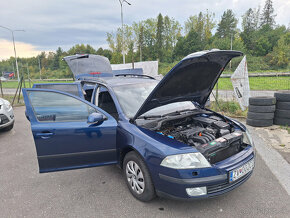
{"points": [[3, 119], [224, 186]]}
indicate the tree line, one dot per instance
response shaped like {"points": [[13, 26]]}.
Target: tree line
{"points": [[266, 44]]}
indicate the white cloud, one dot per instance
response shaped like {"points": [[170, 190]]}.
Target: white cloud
{"points": [[22, 49]]}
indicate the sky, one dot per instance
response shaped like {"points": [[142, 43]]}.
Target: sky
{"points": [[50, 24]]}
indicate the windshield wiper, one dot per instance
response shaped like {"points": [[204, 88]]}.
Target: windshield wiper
{"points": [[145, 117], [177, 112], [149, 117]]}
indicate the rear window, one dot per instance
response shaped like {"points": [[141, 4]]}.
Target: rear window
{"points": [[69, 88]]}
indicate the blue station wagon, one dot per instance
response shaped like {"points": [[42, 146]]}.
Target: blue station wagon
{"points": [[158, 132]]}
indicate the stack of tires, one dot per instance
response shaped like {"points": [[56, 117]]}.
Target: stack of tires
{"points": [[282, 113], [261, 111]]}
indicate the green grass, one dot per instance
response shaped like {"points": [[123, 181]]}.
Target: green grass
{"points": [[229, 108], [14, 84], [261, 71], [10, 99], [256, 83], [286, 128], [259, 83]]}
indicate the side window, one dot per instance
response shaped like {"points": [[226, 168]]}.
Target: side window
{"points": [[56, 107], [70, 88], [105, 101]]}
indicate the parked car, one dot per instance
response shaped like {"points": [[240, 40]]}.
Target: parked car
{"points": [[6, 115], [158, 132]]}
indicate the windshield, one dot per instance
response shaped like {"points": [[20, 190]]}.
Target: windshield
{"points": [[132, 96]]}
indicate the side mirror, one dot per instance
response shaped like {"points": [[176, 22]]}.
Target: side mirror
{"points": [[95, 118]]}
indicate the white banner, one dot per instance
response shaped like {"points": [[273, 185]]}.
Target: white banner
{"points": [[240, 81], [150, 68]]}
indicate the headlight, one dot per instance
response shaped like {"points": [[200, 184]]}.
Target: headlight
{"points": [[7, 105], [247, 138], [185, 161]]}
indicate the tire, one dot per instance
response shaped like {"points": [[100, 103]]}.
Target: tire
{"points": [[262, 109], [282, 96], [262, 101], [260, 116], [282, 114], [8, 128], [283, 105], [282, 121], [259, 123], [131, 163]]}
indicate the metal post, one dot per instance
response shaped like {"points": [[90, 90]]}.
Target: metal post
{"points": [[39, 67], [1, 88], [122, 33], [17, 69], [231, 49], [121, 3], [12, 33], [28, 75]]}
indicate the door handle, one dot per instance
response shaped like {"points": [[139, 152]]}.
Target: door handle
{"points": [[44, 135]]}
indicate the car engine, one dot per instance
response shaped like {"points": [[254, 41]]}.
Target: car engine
{"points": [[211, 135]]}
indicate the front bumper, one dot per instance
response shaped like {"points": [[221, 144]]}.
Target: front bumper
{"points": [[215, 179], [6, 118]]}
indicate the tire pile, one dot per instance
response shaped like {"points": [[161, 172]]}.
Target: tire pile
{"points": [[282, 113], [261, 111]]}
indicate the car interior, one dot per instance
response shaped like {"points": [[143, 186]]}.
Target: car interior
{"points": [[106, 103]]}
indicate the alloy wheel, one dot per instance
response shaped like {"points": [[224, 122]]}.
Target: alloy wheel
{"points": [[135, 177]]}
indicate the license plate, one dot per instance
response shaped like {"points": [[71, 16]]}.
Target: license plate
{"points": [[241, 171]]}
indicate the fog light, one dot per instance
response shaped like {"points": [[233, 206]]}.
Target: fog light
{"points": [[196, 191]]}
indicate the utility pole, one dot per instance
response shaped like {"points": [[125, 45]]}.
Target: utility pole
{"points": [[12, 33], [39, 66], [231, 49], [121, 3], [28, 75]]}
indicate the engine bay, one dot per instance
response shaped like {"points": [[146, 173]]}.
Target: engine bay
{"points": [[212, 135]]}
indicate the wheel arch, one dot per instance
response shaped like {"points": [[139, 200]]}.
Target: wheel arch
{"points": [[124, 152]]}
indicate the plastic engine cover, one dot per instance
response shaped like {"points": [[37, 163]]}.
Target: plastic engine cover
{"points": [[221, 148]]}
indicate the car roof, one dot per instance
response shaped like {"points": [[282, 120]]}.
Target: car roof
{"points": [[120, 81]]}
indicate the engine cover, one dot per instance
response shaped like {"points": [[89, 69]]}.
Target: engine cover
{"points": [[221, 148]]}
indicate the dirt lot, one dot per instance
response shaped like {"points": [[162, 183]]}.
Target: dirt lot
{"points": [[277, 137]]}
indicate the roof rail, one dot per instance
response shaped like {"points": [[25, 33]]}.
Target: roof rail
{"points": [[134, 75]]}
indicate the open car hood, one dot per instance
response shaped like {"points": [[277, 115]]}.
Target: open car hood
{"points": [[89, 65], [192, 79]]}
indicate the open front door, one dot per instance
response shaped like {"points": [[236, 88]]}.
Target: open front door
{"points": [[63, 137]]}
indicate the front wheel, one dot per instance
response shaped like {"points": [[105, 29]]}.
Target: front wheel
{"points": [[137, 177]]}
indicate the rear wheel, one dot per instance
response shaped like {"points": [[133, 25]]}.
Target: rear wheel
{"points": [[138, 177]]}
